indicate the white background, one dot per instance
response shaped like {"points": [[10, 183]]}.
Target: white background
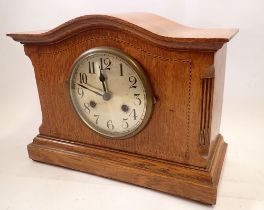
{"points": [[25, 184]]}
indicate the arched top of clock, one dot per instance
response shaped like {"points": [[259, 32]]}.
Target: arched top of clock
{"points": [[148, 26]]}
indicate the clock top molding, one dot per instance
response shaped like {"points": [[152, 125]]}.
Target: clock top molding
{"points": [[155, 29]]}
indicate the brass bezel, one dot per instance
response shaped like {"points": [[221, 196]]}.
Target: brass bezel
{"points": [[139, 71]]}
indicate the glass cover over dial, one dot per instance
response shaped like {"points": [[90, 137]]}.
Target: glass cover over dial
{"points": [[110, 92]]}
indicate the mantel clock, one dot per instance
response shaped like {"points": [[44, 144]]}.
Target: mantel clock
{"points": [[132, 97]]}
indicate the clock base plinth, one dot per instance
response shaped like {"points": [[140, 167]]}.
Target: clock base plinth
{"points": [[175, 179]]}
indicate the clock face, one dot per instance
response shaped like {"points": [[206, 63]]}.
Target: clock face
{"points": [[110, 92]]}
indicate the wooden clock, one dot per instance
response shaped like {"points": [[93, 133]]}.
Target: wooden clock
{"points": [[132, 97]]}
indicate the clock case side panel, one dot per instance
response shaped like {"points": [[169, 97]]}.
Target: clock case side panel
{"points": [[33, 53], [211, 100], [217, 101]]}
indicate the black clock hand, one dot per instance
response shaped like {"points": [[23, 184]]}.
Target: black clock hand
{"points": [[107, 94], [89, 89], [102, 79]]}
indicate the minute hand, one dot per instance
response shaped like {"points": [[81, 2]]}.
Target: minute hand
{"points": [[83, 86]]}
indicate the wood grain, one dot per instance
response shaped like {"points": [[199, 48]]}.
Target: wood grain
{"points": [[175, 79], [150, 27], [168, 177], [180, 151]]}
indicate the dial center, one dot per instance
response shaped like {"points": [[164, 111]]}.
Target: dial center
{"points": [[107, 96]]}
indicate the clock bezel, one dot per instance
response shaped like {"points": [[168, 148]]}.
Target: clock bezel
{"points": [[138, 70]]}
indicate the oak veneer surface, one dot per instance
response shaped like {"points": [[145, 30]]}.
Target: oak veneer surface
{"points": [[172, 132], [149, 26], [175, 179]]}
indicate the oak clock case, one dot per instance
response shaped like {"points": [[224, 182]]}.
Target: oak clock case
{"points": [[96, 77], [110, 92]]}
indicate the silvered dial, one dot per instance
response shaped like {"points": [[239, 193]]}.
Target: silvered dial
{"points": [[110, 92]]}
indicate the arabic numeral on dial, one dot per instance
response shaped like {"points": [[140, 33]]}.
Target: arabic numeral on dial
{"points": [[110, 125], [138, 100], [133, 114], [83, 78], [91, 68], [133, 81], [105, 64], [97, 117], [80, 92], [86, 107], [125, 123]]}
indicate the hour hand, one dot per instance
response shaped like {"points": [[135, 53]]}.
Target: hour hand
{"points": [[92, 89], [102, 79]]}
